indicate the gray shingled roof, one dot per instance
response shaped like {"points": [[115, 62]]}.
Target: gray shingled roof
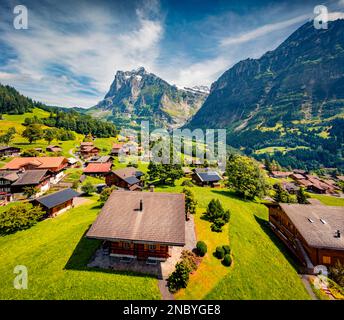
{"points": [[316, 233], [162, 219], [131, 180], [30, 177], [57, 198]]}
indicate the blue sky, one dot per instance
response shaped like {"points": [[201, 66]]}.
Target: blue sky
{"points": [[72, 50]]}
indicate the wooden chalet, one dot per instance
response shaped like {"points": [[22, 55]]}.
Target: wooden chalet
{"points": [[39, 179], [7, 178], [53, 148], [281, 174], [6, 151], [102, 159], [141, 225], [57, 202], [98, 169], [313, 233], [88, 150], [126, 178], [118, 148], [206, 177]]}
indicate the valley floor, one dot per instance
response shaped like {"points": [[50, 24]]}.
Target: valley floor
{"points": [[56, 253]]}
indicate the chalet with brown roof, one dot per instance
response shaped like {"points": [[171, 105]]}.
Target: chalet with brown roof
{"points": [[53, 164], [7, 178], [39, 179], [117, 148], [141, 225], [281, 174], [6, 151], [127, 178], [314, 233], [88, 149], [98, 169], [53, 148]]}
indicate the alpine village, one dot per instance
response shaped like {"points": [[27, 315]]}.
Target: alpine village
{"points": [[90, 226]]}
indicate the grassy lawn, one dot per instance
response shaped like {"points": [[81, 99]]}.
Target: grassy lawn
{"points": [[328, 200], [56, 253], [262, 269]]}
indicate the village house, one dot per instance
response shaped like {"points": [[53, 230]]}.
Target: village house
{"points": [[39, 179], [314, 233], [98, 169], [6, 151], [141, 225], [118, 148], [56, 203], [53, 148], [7, 178], [281, 174], [55, 165], [206, 177], [102, 159], [126, 178], [290, 187], [72, 162], [88, 150]]}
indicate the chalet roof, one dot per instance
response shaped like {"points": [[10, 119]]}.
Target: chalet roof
{"points": [[7, 147], [57, 198], [281, 173], [317, 233], [297, 176], [131, 180], [98, 167], [101, 159], [89, 148], [39, 162], [31, 177], [9, 175], [117, 145], [341, 178], [86, 144], [128, 172], [161, 220], [304, 182], [208, 175]]}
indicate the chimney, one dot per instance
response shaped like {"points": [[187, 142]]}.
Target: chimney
{"points": [[141, 205], [151, 188], [337, 234]]}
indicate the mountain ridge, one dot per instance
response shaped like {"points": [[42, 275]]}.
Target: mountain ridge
{"points": [[139, 95]]}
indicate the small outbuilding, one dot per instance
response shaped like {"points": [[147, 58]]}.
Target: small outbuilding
{"points": [[57, 202]]}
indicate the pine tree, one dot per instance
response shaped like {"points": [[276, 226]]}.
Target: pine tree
{"points": [[301, 196]]}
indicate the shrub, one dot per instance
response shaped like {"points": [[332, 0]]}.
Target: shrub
{"points": [[190, 259], [88, 188], [187, 183], [337, 273], [179, 278], [219, 253], [216, 214], [105, 194], [227, 260], [201, 248], [19, 217], [227, 249]]}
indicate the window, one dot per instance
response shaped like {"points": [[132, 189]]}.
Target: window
{"points": [[126, 245], [326, 260], [151, 247]]}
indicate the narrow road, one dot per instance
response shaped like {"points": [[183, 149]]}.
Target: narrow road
{"points": [[304, 278], [75, 156]]}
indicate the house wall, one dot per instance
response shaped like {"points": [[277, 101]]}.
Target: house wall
{"points": [[318, 256], [141, 251]]}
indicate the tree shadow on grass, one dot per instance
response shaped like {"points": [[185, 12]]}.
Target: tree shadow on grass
{"points": [[83, 254], [230, 194], [279, 244]]}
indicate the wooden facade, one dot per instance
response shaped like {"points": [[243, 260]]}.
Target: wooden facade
{"points": [[141, 251], [308, 255]]}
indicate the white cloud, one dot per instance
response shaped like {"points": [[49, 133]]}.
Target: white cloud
{"points": [[95, 52], [263, 30]]}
